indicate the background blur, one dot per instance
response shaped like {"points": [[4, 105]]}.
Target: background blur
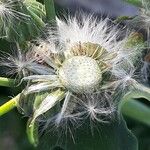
{"points": [[109, 7], [12, 125]]}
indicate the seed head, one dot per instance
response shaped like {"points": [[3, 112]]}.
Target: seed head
{"points": [[80, 74]]}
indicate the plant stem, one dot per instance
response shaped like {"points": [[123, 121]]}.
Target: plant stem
{"points": [[8, 106], [50, 10], [32, 132], [7, 82]]}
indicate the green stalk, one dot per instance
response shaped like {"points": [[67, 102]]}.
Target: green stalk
{"points": [[50, 11], [32, 132], [6, 82], [8, 106]]}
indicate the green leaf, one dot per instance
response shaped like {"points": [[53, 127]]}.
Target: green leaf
{"points": [[50, 11], [134, 2], [111, 136], [36, 19], [123, 18], [134, 109], [36, 7], [28, 28], [140, 91], [137, 110]]}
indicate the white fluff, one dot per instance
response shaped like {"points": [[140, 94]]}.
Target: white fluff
{"points": [[102, 32], [8, 14], [114, 53]]}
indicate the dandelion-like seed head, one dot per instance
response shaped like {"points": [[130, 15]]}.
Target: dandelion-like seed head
{"points": [[91, 55]]}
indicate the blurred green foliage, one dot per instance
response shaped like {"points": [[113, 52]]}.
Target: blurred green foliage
{"points": [[13, 125]]}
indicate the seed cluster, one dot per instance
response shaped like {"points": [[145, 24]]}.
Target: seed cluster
{"points": [[80, 74]]}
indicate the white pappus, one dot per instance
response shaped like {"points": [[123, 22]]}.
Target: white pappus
{"points": [[78, 74]]}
